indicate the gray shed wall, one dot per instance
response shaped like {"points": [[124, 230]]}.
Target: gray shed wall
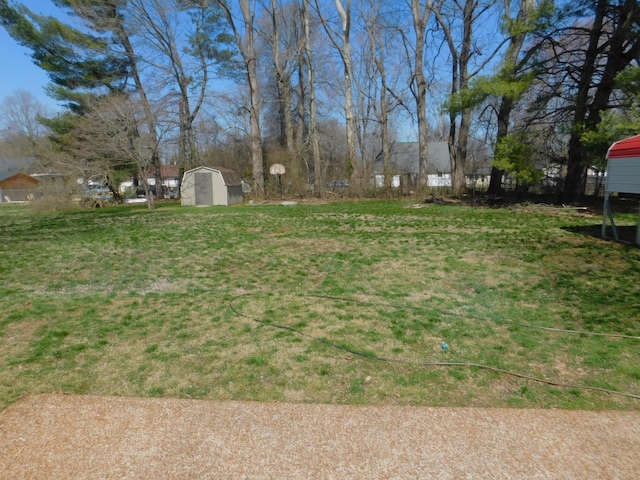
{"points": [[235, 194]]}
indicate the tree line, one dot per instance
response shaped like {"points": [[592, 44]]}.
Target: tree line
{"points": [[326, 87]]}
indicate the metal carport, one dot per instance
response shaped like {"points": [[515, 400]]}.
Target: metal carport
{"points": [[623, 176]]}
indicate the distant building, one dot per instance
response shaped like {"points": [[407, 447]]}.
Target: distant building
{"points": [[15, 184], [405, 165], [171, 177], [17, 188]]}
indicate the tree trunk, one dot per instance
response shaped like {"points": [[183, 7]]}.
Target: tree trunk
{"points": [[345, 54], [383, 118], [623, 48], [343, 46], [576, 170], [318, 167], [460, 56], [283, 85], [420, 20], [510, 65], [246, 45], [156, 164], [300, 107], [377, 50], [458, 172], [458, 175], [504, 113], [255, 132]]}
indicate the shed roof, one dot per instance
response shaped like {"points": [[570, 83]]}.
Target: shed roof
{"points": [[231, 178], [629, 147]]}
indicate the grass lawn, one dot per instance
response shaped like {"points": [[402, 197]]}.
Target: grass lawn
{"points": [[291, 303]]}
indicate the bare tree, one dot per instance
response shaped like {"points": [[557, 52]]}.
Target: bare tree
{"points": [[245, 36], [20, 127], [159, 25], [110, 17], [318, 166], [283, 44], [377, 52], [420, 14], [462, 47], [114, 134], [341, 40]]}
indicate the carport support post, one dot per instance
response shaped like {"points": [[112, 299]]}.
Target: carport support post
{"points": [[638, 229], [608, 213]]}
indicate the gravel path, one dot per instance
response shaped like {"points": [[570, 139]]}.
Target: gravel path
{"points": [[66, 436]]}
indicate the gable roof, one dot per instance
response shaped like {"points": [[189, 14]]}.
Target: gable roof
{"points": [[404, 158], [231, 178], [629, 147], [18, 181]]}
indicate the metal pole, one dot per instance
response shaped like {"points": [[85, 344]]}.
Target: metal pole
{"points": [[605, 207], [638, 230], [608, 213]]}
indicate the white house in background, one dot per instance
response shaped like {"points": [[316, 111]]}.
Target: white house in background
{"points": [[171, 178], [405, 165], [211, 186]]}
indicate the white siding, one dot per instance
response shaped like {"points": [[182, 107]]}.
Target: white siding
{"points": [[623, 175], [187, 190], [219, 189], [440, 180]]}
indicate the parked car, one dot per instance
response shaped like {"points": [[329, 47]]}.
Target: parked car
{"points": [[98, 192]]}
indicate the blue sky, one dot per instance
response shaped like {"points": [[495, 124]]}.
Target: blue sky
{"points": [[19, 72]]}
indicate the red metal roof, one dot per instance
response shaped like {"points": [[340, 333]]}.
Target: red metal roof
{"points": [[629, 147]]}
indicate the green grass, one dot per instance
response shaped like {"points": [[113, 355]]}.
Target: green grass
{"points": [[184, 302]]}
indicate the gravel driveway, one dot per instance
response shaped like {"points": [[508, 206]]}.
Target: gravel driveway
{"points": [[67, 436]]}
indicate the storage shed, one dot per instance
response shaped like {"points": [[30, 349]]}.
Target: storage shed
{"points": [[211, 186], [623, 176]]}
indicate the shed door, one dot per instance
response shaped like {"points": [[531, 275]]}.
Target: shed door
{"points": [[204, 188]]}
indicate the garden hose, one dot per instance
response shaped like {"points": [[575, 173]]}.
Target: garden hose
{"points": [[442, 312], [370, 356]]}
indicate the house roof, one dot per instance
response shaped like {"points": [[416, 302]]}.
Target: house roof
{"points": [[231, 178], [629, 147], [18, 180], [168, 171], [404, 158]]}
